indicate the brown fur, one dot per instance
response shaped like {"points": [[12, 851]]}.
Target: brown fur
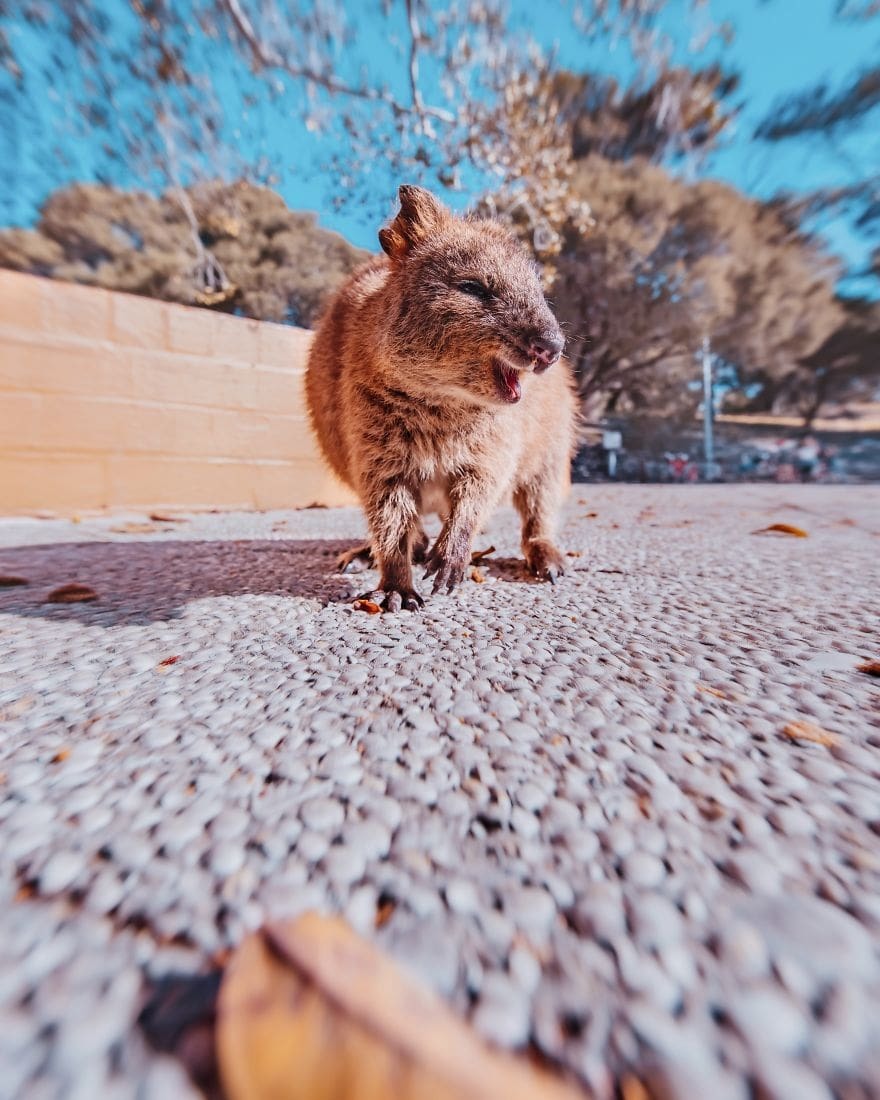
{"points": [[404, 394]]}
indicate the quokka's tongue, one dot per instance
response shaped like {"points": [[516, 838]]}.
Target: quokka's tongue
{"points": [[510, 380]]}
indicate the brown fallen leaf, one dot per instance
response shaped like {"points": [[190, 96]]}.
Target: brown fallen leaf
{"points": [[72, 593], [572, 553], [631, 1088], [60, 756], [7, 580], [309, 1011], [782, 529], [478, 555], [307, 507], [19, 707], [370, 606], [711, 691], [477, 576], [806, 731], [169, 661], [384, 911], [872, 668], [135, 528], [590, 515], [159, 517]]}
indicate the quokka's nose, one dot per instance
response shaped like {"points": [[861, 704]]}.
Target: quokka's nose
{"points": [[545, 348]]}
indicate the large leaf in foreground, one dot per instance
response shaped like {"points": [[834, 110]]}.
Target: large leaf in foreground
{"points": [[309, 1011]]}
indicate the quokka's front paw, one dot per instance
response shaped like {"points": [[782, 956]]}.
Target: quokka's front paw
{"points": [[396, 599], [447, 566], [544, 560]]}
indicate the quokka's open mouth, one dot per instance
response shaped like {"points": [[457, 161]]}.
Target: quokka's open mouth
{"points": [[507, 381]]}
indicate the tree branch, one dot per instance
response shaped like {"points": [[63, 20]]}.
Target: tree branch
{"points": [[415, 91], [266, 56]]}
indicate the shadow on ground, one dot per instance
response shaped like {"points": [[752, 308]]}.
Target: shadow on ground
{"points": [[140, 582]]}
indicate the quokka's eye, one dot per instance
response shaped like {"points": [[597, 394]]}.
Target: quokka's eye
{"points": [[476, 289]]}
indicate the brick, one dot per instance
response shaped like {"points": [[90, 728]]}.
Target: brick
{"points": [[235, 339], [282, 346], [169, 481], [258, 436], [20, 300], [280, 391], [296, 484], [190, 330], [141, 322], [33, 363], [191, 380], [21, 420], [71, 310], [57, 483]]}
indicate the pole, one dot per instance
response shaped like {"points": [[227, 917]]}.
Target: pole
{"points": [[708, 407]]}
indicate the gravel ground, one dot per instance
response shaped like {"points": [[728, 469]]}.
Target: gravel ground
{"points": [[573, 806]]}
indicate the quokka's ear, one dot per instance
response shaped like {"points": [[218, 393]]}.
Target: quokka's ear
{"points": [[421, 214]]}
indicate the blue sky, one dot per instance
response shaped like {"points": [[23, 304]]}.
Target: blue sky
{"points": [[780, 46]]}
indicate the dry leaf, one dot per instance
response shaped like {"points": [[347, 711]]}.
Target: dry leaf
{"points": [[158, 517], [72, 593], [10, 581], [169, 661], [590, 515], [782, 529], [384, 911], [136, 529], [478, 555], [477, 576], [19, 707], [806, 731], [309, 1011], [871, 667], [314, 504], [370, 606], [60, 756], [631, 1088], [711, 691]]}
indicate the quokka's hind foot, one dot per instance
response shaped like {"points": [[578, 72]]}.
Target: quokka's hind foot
{"points": [[356, 560], [544, 560]]}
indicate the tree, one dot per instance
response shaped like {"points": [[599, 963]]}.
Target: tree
{"points": [[847, 366], [454, 95], [269, 262], [670, 262]]}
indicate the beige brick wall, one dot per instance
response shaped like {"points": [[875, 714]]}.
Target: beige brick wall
{"points": [[111, 401]]}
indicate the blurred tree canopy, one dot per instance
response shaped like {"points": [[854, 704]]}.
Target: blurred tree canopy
{"points": [[672, 262], [641, 264], [264, 260]]}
